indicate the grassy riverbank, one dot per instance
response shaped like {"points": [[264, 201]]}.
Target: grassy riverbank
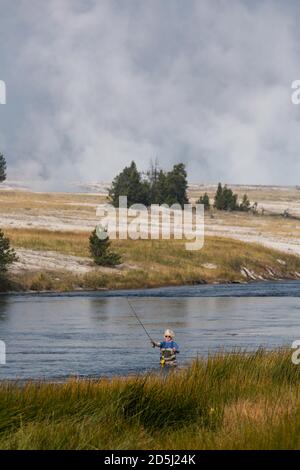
{"points": [[50, 232], [232, 401], [147, 263]]}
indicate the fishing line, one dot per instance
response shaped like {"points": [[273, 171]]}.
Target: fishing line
{"points": [[136, 316]]}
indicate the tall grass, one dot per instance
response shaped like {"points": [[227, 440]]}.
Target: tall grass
{"points": [[228, 401]]}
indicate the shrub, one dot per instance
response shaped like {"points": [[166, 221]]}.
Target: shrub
{"points": [[100, 249], [7, 254]]}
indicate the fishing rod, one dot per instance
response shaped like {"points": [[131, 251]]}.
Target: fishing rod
{"points": [[135, 314]]}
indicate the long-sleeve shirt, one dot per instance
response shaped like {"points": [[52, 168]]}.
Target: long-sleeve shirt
{"points": [[167, 353]]}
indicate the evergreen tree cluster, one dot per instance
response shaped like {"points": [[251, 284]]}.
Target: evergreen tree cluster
{"points": [[205, 201], [158, 187], [225, 200]]}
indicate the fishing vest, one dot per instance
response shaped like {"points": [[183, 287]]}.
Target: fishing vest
{"points": [[167, 355]]}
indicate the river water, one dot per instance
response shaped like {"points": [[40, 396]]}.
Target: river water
{"points": [[94, 334]]}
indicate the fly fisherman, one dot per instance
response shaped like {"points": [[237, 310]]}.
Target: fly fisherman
{"points": [[168, 349]]}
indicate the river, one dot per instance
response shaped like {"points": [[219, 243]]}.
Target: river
{"points": [[94, 334]]}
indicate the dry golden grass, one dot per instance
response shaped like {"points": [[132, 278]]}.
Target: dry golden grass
{"points": [[152, 263], [69, 243], [48, 202]]}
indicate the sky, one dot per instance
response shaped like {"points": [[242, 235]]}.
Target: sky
{"points": [[92, 85]]}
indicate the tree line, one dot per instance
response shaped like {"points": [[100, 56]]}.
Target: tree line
{"points": [[156, 187], [167, 187], [226, 200]]}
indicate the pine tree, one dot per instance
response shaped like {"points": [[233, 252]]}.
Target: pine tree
{"points": [[176, 186], [245, 204], [205, 201], [7, 254], [230, 199], [100, 249], [2, 168], [129, 183], [219, 199], [159, 189], [225, 199]]}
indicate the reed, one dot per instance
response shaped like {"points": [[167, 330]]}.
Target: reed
{"points": [[232, 400]]}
